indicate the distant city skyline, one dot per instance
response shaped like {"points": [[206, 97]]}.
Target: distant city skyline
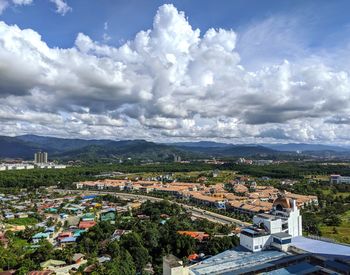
{"points": [[233, 71]]}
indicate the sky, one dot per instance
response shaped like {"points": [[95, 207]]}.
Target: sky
{"points": [[230, 71]]}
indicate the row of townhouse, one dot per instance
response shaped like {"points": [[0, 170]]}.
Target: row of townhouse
{"points": [[214, 196]]}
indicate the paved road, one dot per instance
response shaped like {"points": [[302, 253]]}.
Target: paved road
{"points": [[195, 211]]}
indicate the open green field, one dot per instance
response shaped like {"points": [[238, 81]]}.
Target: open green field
{"points": [[329, 191], [23, 221], [342, 233]]}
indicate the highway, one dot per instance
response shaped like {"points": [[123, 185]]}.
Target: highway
{"points": [[195, 211]]}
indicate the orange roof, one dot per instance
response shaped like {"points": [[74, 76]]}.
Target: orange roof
{"points": [[86, 224], [193, 256], [202, 197], [194, 234]]}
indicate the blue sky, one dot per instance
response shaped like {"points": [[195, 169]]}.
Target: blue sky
{"points": [[322, 19], [234, 71]]}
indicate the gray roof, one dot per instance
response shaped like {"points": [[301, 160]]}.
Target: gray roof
{"points": [[233, 260], [320, 247], [281, 235]]}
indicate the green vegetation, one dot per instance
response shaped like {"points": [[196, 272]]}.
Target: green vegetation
{"points": [[23, 221], [148, 240], [65, 177], [339, 231]]}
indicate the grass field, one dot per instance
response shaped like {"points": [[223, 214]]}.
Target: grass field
{"points": [[23, 221], [342, 233]]}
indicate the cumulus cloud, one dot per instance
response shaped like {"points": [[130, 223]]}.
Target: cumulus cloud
{"points": [[22, 2], [61, 6], [169, 82]]}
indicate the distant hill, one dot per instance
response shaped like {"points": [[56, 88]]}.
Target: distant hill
{"points": [[230, 150], [135, 149], [60, 144], [11, 147], [203, 144], [95, 150], [72, 149], [293, 147]]}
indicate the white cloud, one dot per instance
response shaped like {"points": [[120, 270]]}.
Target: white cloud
{"points": [[61, 6], [168, 82], [22, 2], [3, 5]]}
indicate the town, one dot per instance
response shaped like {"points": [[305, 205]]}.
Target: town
{"points": [[174, 137], [240, 217]]}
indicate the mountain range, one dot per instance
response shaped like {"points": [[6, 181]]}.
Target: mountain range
{"points": [[72, 149]]}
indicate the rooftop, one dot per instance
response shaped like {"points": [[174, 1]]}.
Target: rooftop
{"points": [[321, 247], [234, 260], [281, 235]]}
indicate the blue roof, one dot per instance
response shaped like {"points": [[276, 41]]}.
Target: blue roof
{"points": [[50, 229], [320, 247], [78, 232], [69, 240], [41, 235], [89, 197]]}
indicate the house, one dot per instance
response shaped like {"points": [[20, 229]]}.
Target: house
{"points": [[86, 224], [67, 241], [64, 216], [240, 189], [198, 235], [119, 232], [40, 236], [45, 272], [64, 235], [104, 259], [50, 230], [208, 200], [51, 264], [21, 215], [78, 257], [9, 216], [108, 215], [88, 217], [77, 233]]}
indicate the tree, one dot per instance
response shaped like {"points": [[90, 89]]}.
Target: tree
{"points": [[332, 220], [132, 242]]}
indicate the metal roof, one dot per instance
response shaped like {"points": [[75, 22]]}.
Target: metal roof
{"points": [[320, 247], [234, 259]]}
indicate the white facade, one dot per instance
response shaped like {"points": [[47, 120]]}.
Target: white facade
{"points": [[255, 244], [40, 157], [50, 166], [16, 166], [338, 179], [173, 266], [273, 229]]}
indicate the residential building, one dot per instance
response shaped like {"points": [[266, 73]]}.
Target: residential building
{"points": [[338, 179], [40, 157]]}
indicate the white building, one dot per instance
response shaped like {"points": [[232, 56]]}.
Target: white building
{"points": [[50, 166], [16, 166], [275, 229], [173, 266], [338, 179], [40, 157]]}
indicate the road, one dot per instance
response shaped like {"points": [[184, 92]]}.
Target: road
{"points": [[195, 211]]}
